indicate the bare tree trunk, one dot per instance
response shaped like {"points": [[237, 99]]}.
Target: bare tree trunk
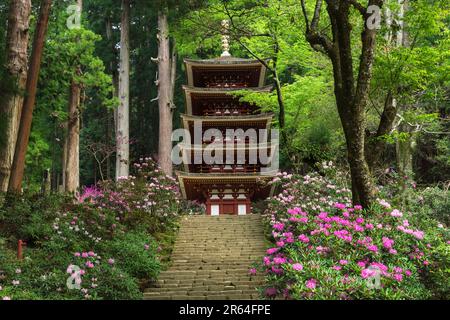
{"points": [[376, 144], [72, 173], [72, 168], [17, 66], [111, 116], [164, 94], [18, 166], [62, 187], [123, 130]]}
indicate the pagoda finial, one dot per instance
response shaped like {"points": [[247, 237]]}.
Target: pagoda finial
{"points": [[225, 38]]}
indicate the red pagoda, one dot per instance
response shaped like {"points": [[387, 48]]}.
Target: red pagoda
{"points": [[222, 163]]}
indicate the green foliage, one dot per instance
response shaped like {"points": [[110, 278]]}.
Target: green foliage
{"points": [[135, 253]]}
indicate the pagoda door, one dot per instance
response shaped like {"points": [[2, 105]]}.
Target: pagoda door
{"points": [[228, 204]]}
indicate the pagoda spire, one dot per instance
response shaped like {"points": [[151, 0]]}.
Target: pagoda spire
{"points": [[225, 38]]}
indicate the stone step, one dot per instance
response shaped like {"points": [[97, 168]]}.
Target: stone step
{"points": [[211, 260], [205, 282], [206, 287], [171, 272], [205, 267], [189, 292], [217, 256], [209, 297], [201, 277]]}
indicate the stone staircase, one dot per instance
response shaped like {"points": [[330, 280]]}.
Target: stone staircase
{"points": [[211, 260]]}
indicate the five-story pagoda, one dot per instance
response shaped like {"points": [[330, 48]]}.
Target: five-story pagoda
{"points": [[229, 159]]}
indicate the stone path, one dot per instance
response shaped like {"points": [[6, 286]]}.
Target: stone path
{"points": [[211, 260]]}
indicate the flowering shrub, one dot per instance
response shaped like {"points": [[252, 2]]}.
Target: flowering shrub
{"points": [[150, 198], [101, 246], [325, 248]]}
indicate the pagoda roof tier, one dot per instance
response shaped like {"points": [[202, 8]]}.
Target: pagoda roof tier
{"points": [[197, 98], [238, 150], [224, 61], [237, 146], [257, 121], [200, 72], [224, 90], [244, 118], [194, 186]]}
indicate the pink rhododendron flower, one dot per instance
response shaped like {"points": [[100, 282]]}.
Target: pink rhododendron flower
{"points": [[336, 267], [418, 234], [84, 255], [278, 260], [368, 273], [111, 261], [361, 264], [294, 211], [278, 226], [272, 250], [398, 277], [396, 213], [387, 243], [311, 284], [297, 267], [358, 207], [280, 244], [303, 238], [343, 262], [340, 206], [252, 271], [359, 220]]}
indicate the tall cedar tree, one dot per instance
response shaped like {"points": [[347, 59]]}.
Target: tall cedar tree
{"points": [[18, 166], [17, 66]]}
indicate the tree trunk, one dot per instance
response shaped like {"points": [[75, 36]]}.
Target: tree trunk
{"points": [[164, 94], [111, 115], [376, 144], [122, 132], [351, 93], [404, 148], [72, 173], [62, 187], [16, 65], [18, 166]]}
